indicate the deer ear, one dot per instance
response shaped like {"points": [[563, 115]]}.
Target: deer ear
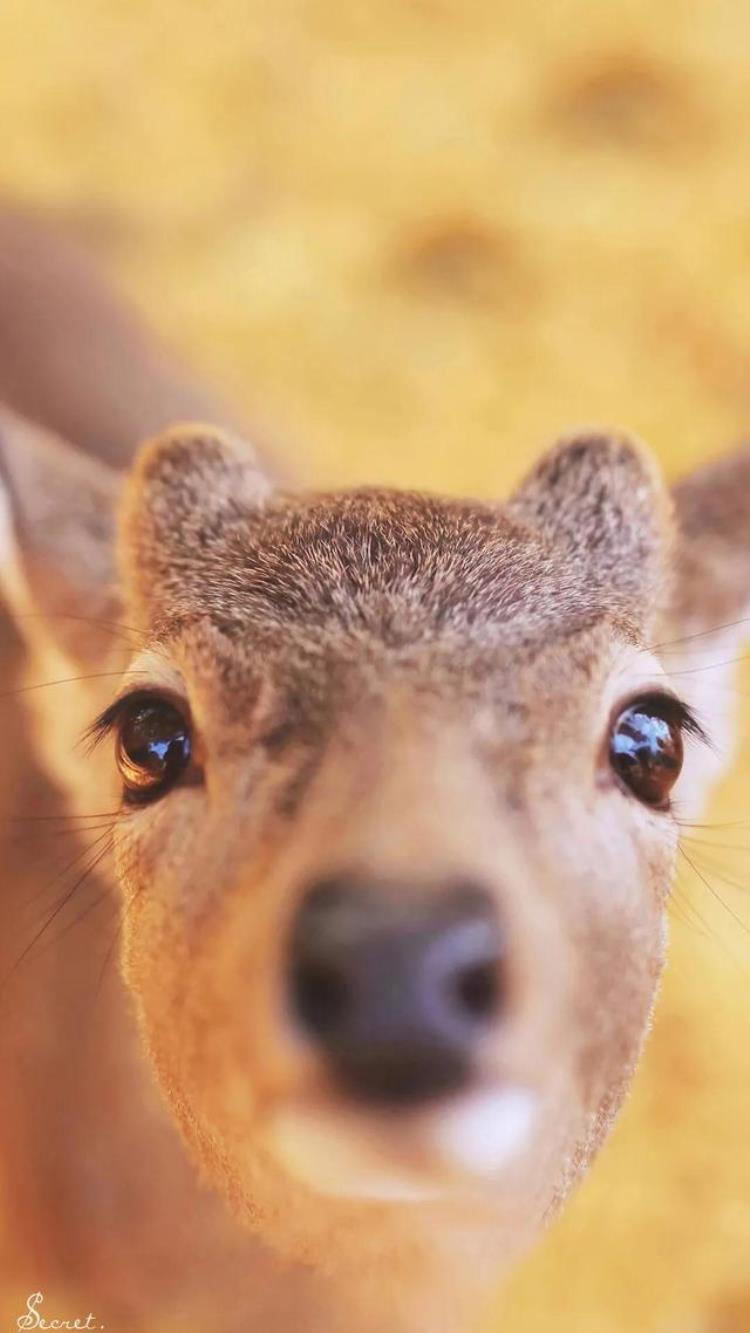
{"points": [[601, 499], [707, 616], [712, 556], [189, 489], [57, 525], [57, 580]]}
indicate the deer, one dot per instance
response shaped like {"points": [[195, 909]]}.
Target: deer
{"points": [[392, 787]]}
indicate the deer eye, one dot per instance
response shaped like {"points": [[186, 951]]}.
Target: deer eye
{"points": [[152, 746], [646, 746]]}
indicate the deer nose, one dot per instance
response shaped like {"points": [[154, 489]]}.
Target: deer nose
{"points": [[396, 987]]}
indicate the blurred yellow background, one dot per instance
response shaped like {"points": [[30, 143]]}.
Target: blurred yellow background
{"points": [[415, 239]]}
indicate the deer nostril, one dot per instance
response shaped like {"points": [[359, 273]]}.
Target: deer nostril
{"points": [[321, 996], [477, 991]]}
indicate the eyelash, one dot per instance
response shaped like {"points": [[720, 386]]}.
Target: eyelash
{"points": [[107, 721], [681, 712]]}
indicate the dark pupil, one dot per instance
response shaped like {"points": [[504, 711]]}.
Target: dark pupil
{"points": [[155, 743], [647, 753]]}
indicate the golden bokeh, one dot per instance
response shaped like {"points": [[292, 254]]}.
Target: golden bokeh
{"points": [[414, 239]]}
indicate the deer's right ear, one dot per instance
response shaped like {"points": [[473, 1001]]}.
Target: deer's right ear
{"points": [[190, 489], [57, 548], [706, 621]]}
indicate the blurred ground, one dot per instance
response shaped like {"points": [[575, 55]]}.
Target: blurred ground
{"points": [[415, 239]]}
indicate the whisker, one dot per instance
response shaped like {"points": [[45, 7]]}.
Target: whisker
{"points": [[722, 874], [43, 819], [114, 942], [117, 935], [717, 846], [711, 666], [107, 826], [60, 874], [18, 838], [113, 627], [116, 905], [717, 896], [733, 823], [68, 680], [41, 859], [30, 840], [106, 896], [53, 915], [713, 936], [690, 915], [702, 634]]}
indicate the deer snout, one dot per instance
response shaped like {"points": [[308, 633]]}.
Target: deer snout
{"points": [[396, 987]]}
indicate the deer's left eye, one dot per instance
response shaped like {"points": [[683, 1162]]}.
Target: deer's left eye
{"points": [[153, 746], [646, 747]]}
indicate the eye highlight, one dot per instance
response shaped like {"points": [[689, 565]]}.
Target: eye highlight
{"points": [[153, 744], [646, 746]]}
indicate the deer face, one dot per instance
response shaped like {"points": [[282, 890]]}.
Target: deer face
{"points": [[398, 780]]}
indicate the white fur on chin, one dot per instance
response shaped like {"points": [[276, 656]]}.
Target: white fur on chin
{"points": [[411, 1159]]}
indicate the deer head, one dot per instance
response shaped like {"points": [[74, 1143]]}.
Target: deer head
{"points": [[398, 782]]}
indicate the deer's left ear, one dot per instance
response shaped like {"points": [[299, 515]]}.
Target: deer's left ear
{"points": [[712, 555], [707, 617], [599, 498]]}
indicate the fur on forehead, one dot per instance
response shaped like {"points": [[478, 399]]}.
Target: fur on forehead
{"points": [[583, 538]]}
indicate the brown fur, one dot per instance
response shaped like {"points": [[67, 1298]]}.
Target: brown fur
{"points": [[415, 687]]}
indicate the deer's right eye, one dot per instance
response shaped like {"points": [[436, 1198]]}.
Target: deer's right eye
{"points": [[153, 746]]}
